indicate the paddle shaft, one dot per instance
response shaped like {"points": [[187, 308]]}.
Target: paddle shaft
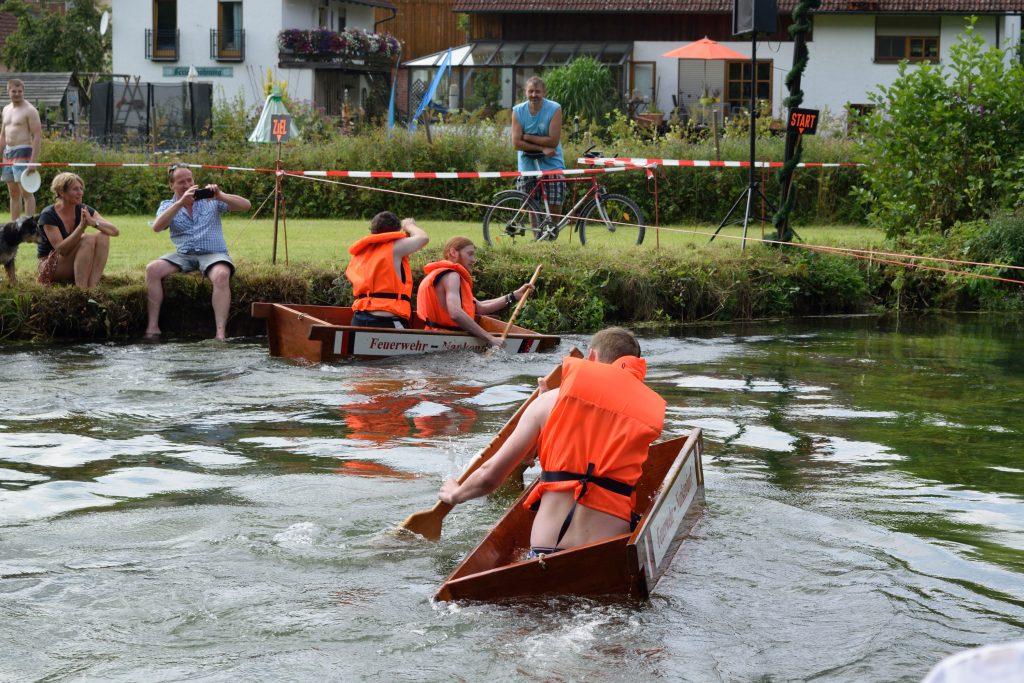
{"points": [[428, 522], [519, 305]]}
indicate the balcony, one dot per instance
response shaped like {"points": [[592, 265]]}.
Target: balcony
{"points": [[227, 46], [162, 45], [351, 49]]}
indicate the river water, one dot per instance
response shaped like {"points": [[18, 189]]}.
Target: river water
{"points": [[200, 511]]}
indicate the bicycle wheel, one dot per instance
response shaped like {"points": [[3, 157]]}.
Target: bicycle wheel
{"points": [[511, 217], [622, 221]]}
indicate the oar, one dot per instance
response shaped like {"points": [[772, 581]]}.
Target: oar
{"points": [[428, 522], [515, 312]]}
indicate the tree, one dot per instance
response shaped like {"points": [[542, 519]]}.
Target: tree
{"points": [[56, 41], [945, 143]]}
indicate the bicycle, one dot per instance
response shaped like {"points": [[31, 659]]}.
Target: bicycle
{"points": [[598, 213]]}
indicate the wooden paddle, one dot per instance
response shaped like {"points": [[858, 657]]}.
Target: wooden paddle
{"points": [[515, 312], [428, 522]]}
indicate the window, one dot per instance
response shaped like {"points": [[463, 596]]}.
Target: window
{"points": [[323, 19], [163, 43], [915, 38], [642, 77], [341, 20], [229, 30], [738, 83]]}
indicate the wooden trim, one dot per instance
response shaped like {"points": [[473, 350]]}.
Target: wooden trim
{"points": [[745, 101], [157, 52], [907, 41], [221, 52]]}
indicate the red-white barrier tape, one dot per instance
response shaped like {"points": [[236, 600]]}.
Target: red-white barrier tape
{"points": [[697, 163], [398, 175]]}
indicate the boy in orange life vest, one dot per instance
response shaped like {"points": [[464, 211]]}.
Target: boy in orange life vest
{"points": [[380, 273], [595, 428], [445, 298]]}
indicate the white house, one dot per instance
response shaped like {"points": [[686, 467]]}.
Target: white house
{"points": [[855, 46], [234, 43]]}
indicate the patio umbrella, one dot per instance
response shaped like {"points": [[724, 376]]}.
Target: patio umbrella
{"points": [[705, 49]]}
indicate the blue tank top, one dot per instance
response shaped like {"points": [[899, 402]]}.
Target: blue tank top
{"points": [[538, 125]]}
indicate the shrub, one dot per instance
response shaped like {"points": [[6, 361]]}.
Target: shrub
{"points": [[945, 143], [584, 87]]}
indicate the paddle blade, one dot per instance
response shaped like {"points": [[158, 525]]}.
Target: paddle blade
{"points": [[428, 522]]}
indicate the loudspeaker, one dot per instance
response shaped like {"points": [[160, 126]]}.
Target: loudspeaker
{"points": [[754, 16]]}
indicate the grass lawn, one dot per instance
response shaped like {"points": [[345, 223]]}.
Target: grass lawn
{"points": [[325, 242]]}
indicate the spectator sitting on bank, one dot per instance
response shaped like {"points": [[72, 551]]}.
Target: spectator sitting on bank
{"points": [[69, 255]]}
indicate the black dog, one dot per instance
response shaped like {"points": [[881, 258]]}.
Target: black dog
{"points": [[11, 235]]}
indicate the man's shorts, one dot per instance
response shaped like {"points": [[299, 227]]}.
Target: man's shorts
{"points": [[200, 262], [12, 174], [554, 190]]}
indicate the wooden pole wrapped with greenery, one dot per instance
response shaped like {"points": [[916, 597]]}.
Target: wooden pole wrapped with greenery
{"points": [[799, 29]]}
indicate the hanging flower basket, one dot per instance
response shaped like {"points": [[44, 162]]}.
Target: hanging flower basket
{"points": [[321, 44]]}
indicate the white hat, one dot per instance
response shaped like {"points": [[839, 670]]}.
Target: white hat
{"points": [[31, 180], [1000, 663]]}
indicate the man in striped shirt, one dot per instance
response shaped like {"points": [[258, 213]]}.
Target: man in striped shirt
{"points": [[193, 216]]}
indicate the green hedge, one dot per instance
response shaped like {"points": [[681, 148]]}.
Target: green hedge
{"points": [[685, 194], [576, 293]]}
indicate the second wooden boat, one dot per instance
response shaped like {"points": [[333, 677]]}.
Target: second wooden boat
{"points": [[670, 497], [321, 334]]}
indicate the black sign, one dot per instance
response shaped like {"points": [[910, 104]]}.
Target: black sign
{"points": [[803, 121], [279, 126]]}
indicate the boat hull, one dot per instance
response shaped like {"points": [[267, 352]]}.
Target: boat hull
{"points": [[670, 496], [322, 334]]}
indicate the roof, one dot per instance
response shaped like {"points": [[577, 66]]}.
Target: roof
{"points": [[726, 6], [45, 89], [386, 4]]}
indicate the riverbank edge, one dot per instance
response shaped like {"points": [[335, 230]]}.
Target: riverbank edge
{"points": [[576, 293]]}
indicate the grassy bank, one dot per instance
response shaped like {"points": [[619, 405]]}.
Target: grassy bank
{"points": [[673, 277]]}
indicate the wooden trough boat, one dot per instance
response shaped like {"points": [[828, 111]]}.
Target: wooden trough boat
{"points": [[322, 334], [670, 496]]}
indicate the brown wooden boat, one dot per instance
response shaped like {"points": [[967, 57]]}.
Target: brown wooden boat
{"points": [[670, 496], [322, 334]]}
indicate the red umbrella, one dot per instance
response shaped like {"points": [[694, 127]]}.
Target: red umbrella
{"points": [[705, 49]]}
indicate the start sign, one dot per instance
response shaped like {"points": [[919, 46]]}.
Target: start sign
{"points": [[803, 121], [279, 126]]}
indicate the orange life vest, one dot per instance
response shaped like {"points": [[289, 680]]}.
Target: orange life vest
{"points": [[430, 309], [599, 430], [375, 284]]}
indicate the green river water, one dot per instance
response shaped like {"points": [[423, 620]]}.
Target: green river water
{"points": [[202, 512]]}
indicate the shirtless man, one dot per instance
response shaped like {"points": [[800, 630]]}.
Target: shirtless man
{"points": [[594, 428], [20, 136]]}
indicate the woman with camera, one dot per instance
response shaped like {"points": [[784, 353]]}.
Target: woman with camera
{"points": [[72, 256]]}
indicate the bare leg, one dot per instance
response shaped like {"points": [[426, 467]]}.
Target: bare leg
{"points": [[15, 190], [156, 271], [220, 276], [99, 259], [83, 261], [30, 203]]}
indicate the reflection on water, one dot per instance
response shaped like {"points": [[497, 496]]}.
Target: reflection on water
{"points": [[198, 511]]}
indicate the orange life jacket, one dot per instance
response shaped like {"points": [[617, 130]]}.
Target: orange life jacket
{"points": [[429, 307], [599, 430], [375, 284]]}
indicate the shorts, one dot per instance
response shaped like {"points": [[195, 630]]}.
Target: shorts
{"points": [[364, 319], [200, 262], [47, 269], [554, 189], [12, 174]]}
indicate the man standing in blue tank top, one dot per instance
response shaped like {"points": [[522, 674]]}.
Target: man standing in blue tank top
{"points": [[536, 134]]}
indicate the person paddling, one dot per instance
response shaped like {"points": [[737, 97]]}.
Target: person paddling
{"points": [[380, 273], [592, 434], [445, 298]]}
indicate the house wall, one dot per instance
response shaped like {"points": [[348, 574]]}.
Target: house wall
{"points": [[841, 68], [261, 21]]}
